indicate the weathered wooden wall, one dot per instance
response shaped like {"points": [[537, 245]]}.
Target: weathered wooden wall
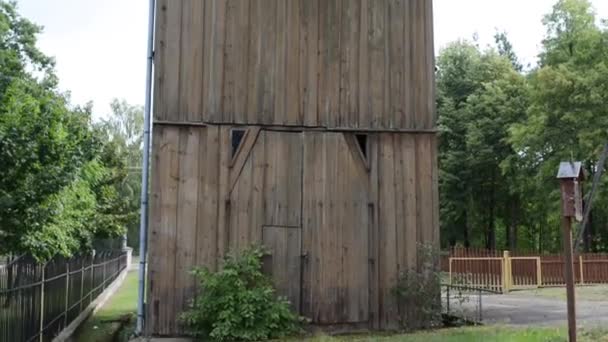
{"points": [[303, 77], [341, 228], [316, 63]]}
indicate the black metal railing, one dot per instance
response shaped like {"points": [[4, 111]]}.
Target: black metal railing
{"points": [[37, 301], [464, 303]]}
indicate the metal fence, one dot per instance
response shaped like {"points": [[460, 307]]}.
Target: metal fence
{"points": [[463, 303], [37, 301]]}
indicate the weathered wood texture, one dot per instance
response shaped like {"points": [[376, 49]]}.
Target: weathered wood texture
{"points": [[314, 63], [341, 214], [340, 222]]}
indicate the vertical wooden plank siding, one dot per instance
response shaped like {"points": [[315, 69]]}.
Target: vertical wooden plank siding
{"points": [[387, 232], [163, 235], [378, 64], [154, 240], [236, 52], [284, 244], [330, 15], [160, 93], [342, 220], [424, 194], [396, 73], [336, 193], [364, 110], [191, 60], [187, 203], [208, 198], [308, 51], [293, 107], [318, 63], [349, 59]]}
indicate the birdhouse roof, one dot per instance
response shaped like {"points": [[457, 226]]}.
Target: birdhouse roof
{"points": [[570, 170]]}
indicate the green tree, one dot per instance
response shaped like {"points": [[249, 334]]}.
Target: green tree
{"points": [[567, 118], [123, 129], [58, 178], [481, 95]]}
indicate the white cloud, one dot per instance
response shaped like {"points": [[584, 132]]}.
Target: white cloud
{"points": [[521, 19]]}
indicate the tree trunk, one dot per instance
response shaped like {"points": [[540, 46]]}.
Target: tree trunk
{"points": [[540, 238], [512, 236], [491, 240], [588, 234], [467, 241]]}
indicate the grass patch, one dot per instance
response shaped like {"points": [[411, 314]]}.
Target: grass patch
{"points": [[119, 310], [590, 293], [471, 334]]}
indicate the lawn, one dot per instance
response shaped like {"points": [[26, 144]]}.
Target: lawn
{"points": [[114, 321], [590, 293], [472, 334]]}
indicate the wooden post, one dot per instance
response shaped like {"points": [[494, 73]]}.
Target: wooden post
{"points": [[539, 274], [569, 275], [581, 269], [570, 174], [41, 328], [450, 269], [506, 272]]}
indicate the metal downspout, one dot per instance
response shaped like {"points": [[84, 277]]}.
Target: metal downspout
{"points": [[143, 228]]}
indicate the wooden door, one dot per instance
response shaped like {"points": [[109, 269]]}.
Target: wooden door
{"points": [[266, 203], [335, 230], [284, 263]]}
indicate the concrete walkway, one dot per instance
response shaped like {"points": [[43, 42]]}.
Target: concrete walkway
{"points": [[530, 310]]}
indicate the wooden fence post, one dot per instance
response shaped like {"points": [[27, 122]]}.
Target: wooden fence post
{"points": [[506, 272], [450, 269], [581, 268], [539, 273], [67, 294], [41, 328]]}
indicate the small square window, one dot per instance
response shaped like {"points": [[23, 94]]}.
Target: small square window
{"points": [[236, 139]]}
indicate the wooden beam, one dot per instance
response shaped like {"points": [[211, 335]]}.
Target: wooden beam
{"points": [[294, 128]]}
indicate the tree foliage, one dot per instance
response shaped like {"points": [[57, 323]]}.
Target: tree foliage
{"points": [[123, 131], [503, 132], [59, 179]]}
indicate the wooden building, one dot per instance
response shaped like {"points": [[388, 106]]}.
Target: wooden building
{"points": [[304, 125]]}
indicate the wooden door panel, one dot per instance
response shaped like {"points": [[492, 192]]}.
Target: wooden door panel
{"points": [[266, 206], [284, 261], [335, 231], [283, 179]]}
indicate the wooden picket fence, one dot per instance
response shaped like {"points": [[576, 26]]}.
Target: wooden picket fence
{"points": [[503, 271]]}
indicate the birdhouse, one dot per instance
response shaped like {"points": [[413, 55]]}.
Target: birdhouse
{"points": [[571, 175]]}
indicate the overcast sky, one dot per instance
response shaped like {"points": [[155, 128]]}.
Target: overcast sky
{"points": [[100, 45]]}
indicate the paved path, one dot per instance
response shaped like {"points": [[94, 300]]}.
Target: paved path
{"points": [[530, 310]]}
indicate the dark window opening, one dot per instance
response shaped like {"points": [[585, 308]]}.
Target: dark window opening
{"points": [[362, 142], [236, 139]]}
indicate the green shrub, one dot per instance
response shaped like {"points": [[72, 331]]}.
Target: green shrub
{"points": [[418, 292], [238, 303]]}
